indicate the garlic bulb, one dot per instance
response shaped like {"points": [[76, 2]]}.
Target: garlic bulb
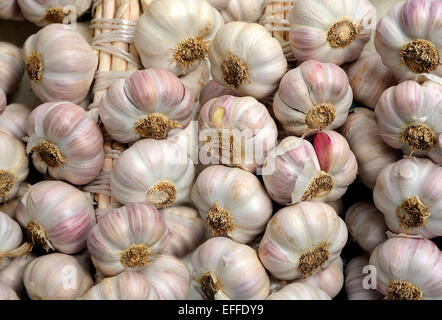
{"points": [[175, 34], [186, 228], [299, 291], [7, 293], [65, 142], [11, 69], [408, 117], [9, 9], [239, 10], [245, 57], [147, 105], [169, 276], [408, 269], [296, 171], [10, 240], [372, 153], [127, 238], [12, 275], [214, 90], [226, 270], [302, 240], [56, 216], [57, 276], [369, 78], [13, 120], [43, 12], [408, 38], [157, 172], [366, 225], [409, 194], [13, 166], [313, 97], [232, 202], [127, 285], [354, 280], [330, 31], [60, 63], [240, 132]]}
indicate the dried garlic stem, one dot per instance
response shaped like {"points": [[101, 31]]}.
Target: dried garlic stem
{"points": [[235, 71], [137, 255], [319, 186], [413, 213], [7, 180], [209, 285], [34, 66], [162, 194], [343, 32], [56, 15], [420, 56], [419, 137], [310, 261], [155, 126], [321, 116], [219, 220], [403, 290], [190, 50], [38, 235], [49, 153]]}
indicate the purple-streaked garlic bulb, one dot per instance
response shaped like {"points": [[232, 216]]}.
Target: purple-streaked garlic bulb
{"points": [[408, 117], [10, 10], [313, 97], [186, 230], [366, 225], [156, 172], [371, 152], [408, 38], [56, 216], [355, 279], [226, 270], [298, 171], [11, 70], [302, 240], [12, 274], [369, 78], [299, 291], [214, 90], [236, 131], [60, 63], [10, 240], [232, 202], [13, 120], [57, 276], [409, 194], [7, 293], [44, 12], [408, 269], [65, 142], [239, 10], [127, 238], [146, 105], [330, 31]]}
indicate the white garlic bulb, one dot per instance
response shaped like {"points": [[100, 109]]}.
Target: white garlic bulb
{"points": [[302, 240], [245, 57], [7, 293], [175, 34], [60, 63], [372, 153], [232, 202], [157, 172], [408, 269], [226, 270], [299, 291], [12, 275], [366, 225], [408, 38], [9, 9], [239, 10], [13, 120], [127, 238], [330, 31], [57, 276], [10, 240], [408, 117], [56, 216], [313, 97], [13, 166], [354, 280], [146, 105], [214, 90], [65, 142], [409, 194], [43, 12], [11, 70]]}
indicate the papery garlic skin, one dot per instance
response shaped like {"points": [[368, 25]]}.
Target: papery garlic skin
{"points": [[9, 9], [12, 275], [245, 57], [65, 142], [10, 238], [197, 79], [14, 166], [11, 69], [313, 97], [127, 238], [56, 216], [214, 90], [369, 78], [337, 205], [408, 269], [232, 202], [354, 280], [409, 194], [7, 293], [156, 172], [330, 31], [302, 240], [43, 12], [408, 117], [299, 291], [372, 153], [57, 276], [241, 131], [366, 225], [408, 39], [227, 270], [13, 120], [175, 34], [60, 64], [239, 10]]}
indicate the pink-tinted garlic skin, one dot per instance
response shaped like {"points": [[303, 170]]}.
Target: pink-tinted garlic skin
{"points": [[214, 90], [7, 293], [13, 120], [9, 10], [12, 275], [299, 291], [11, 69], [354, 280]]}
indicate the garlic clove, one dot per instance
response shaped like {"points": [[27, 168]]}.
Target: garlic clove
{"points": [[9, 9], [11, 69], [299, 291], [12, 275], [354, 280], [239, 10], [13, 120], [7, 293]]}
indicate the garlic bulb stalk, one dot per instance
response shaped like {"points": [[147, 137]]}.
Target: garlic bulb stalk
{"points": [[10, 240], [239, 10], [7, 293], [12, 275], [214, 90], [10, 10], [13, 120], [299, 291], [11, 69], [354, 281]]}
